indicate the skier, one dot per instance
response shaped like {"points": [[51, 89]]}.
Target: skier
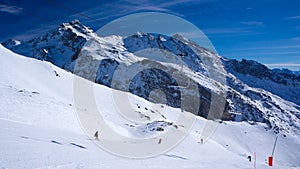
{"points": [[249, 158], [159, 141], [96, 135]]}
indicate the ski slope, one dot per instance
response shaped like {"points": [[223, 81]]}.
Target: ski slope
{"points": [[40, 129]]}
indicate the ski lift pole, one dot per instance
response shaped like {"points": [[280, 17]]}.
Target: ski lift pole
{"points": [[254, 164], [274, 145], [181, 63], [270, 159]]}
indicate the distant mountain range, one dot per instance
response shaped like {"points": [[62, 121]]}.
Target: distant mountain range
{"points": [[251, 91]]}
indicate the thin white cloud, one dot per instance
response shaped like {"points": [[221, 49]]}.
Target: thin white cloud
{"points": [[33, 33], [10, 9], [284, 65], [191, 35], [253, 23], [246, 52], [291, 66], [124, 7], [112, 10], [178, 2], [226, 30], [267, 47], [295, 38], [231, 32], [292, 17]]}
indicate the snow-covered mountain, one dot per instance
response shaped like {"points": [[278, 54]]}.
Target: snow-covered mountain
{"points": [[39, 128], [250, 91]]}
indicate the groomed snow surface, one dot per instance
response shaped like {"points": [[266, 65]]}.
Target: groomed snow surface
{"points": [[40, 129]]}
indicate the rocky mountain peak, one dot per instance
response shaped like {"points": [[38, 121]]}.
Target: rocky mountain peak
{"points": [[76, 27], [59, 46], [250, 67]]}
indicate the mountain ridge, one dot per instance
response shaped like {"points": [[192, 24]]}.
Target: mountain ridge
{"points": [[244, 100]]}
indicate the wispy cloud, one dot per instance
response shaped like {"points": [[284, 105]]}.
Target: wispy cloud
{"points": [[231, 32], [292, 17], [10, 9], [124, 7], [250, 52], [33, 33], [109, 11], [284, 64], [226, 30], [247, 29], [178, 2], [295, 38], [253, 23], [291, 66], [192, 34], [268, 47]]}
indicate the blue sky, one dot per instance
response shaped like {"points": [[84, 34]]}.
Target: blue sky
{"points": [[267, 31]]}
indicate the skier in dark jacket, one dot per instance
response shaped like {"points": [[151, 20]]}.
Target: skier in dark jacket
{"points": [[96, 135]]}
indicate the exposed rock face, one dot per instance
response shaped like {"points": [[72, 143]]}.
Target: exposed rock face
{"points": [[283, 83]]}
